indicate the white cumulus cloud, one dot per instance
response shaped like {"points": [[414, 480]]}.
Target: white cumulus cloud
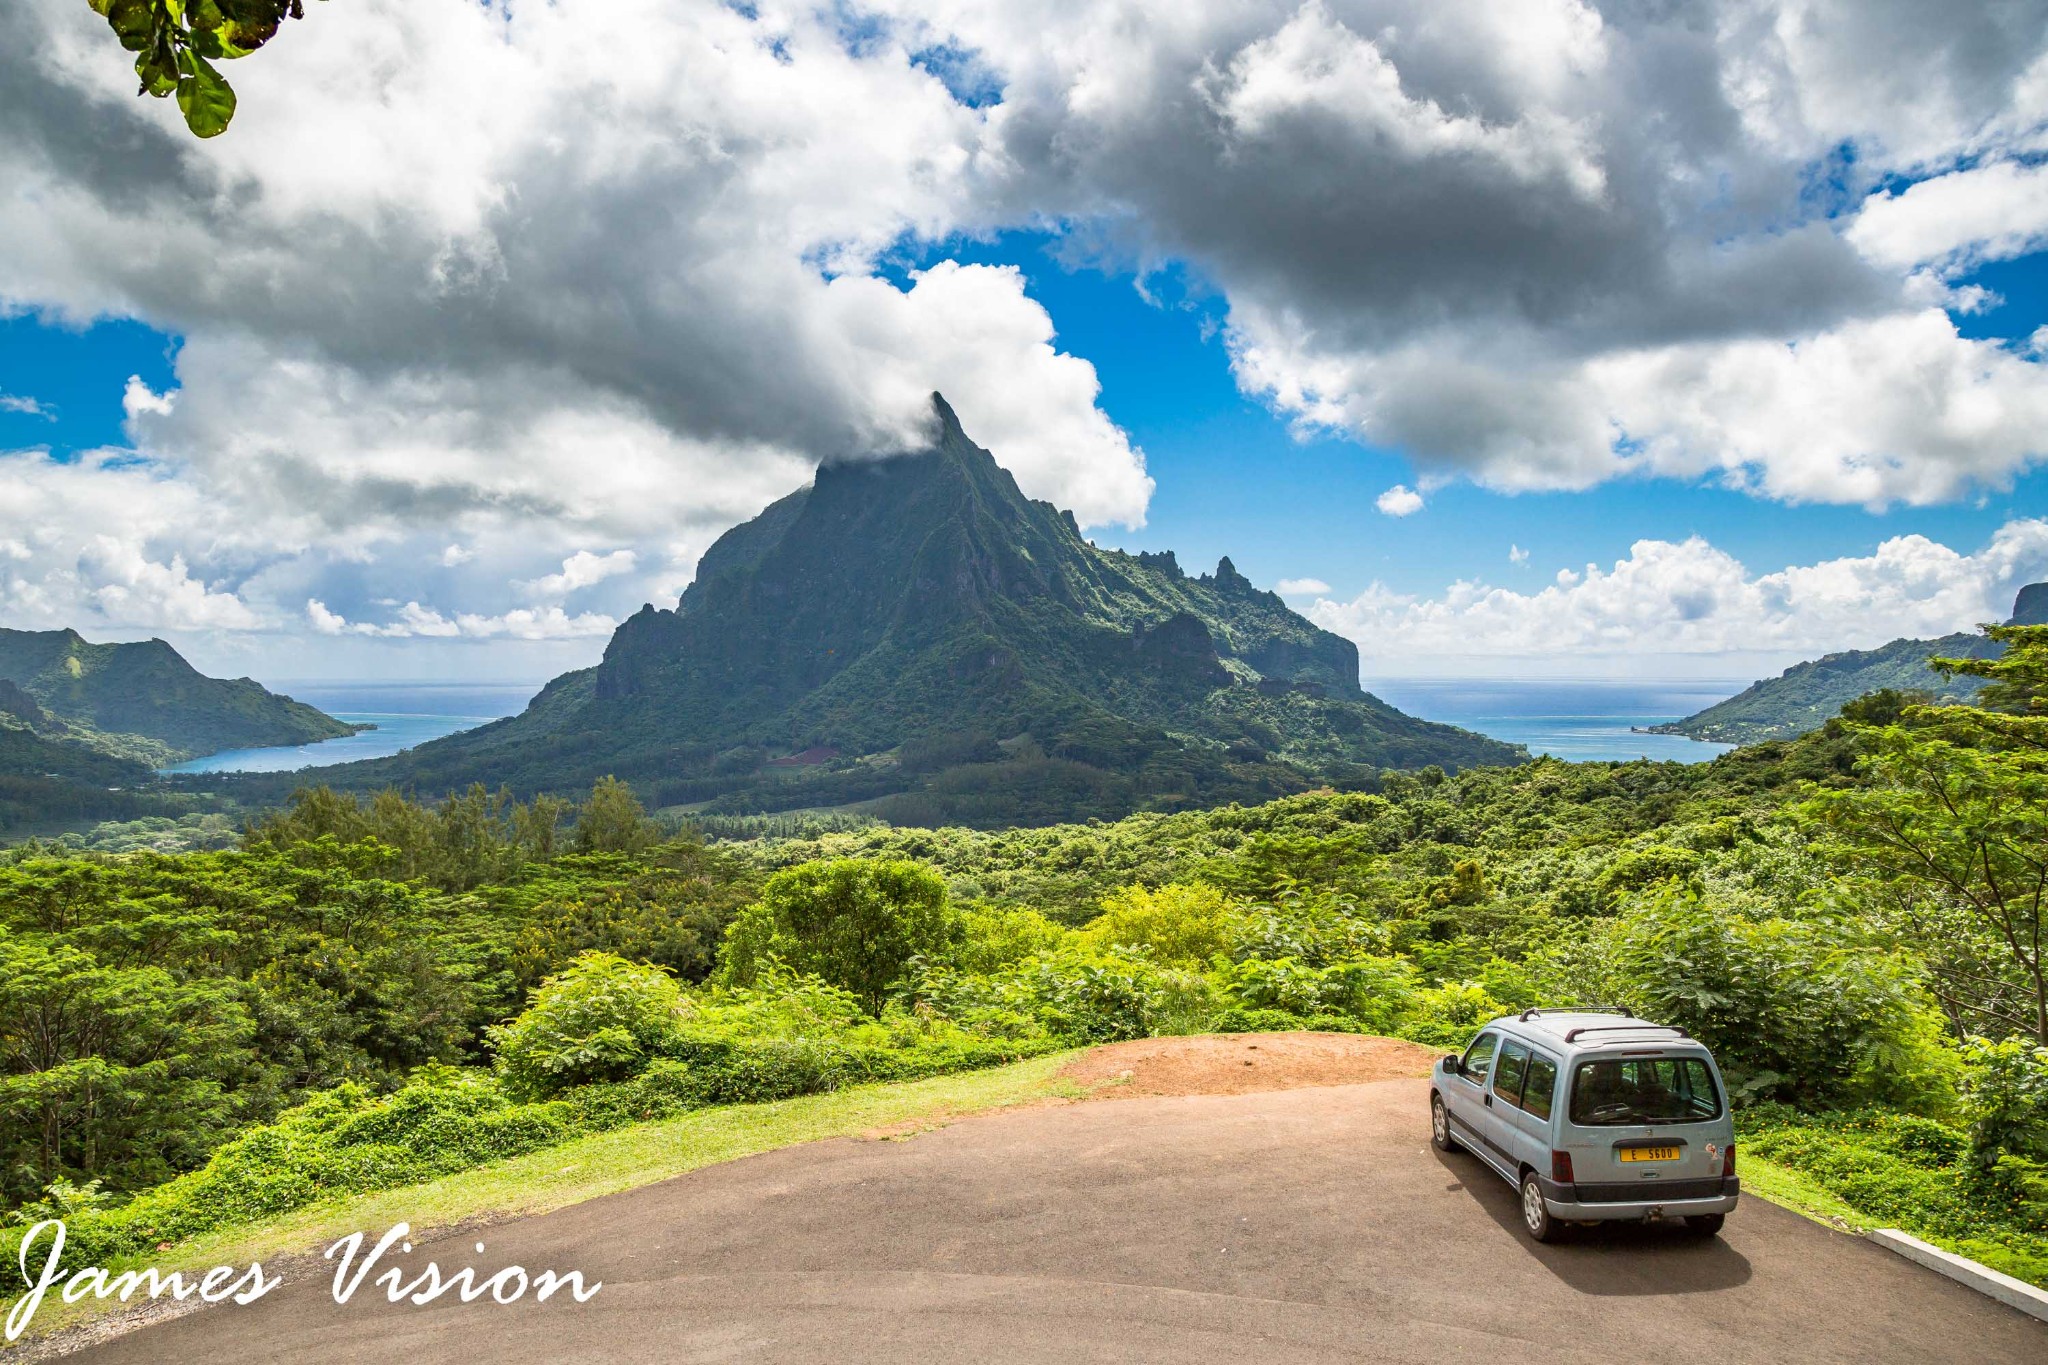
{"points": [[1690, 598], [1399, 501], [582, 570]]}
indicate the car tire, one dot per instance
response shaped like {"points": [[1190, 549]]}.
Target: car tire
{"points": [[1706, 1224], [1536, 1219], [1440, 1125]]}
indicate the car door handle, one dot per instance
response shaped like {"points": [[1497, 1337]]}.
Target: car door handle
{"points": [[1489, 1101]]}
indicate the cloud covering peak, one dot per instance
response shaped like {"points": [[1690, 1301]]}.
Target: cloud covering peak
{"points": [[530, 278]]}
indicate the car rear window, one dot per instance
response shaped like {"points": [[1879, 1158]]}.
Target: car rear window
{"points": [[1627, 1090]]}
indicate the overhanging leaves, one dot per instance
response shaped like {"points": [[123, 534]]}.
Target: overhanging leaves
{"points": [[176, 43]]}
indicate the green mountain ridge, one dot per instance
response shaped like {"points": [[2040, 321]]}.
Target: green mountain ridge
{"points": [[143, 701], [1805, 696], [916, 634]]}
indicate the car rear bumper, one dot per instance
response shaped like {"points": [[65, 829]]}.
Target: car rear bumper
{"points": [[1570, 1211], [1564, 1202]]}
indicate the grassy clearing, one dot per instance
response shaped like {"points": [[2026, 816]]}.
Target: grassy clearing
{"points": [[605, 1164], [1790, 1189]]}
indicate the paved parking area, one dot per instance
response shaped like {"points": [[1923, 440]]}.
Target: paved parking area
{"points": [[1299, 1226]]}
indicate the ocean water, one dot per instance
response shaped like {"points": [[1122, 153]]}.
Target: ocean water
{"points": [[1579, 719], [1582, 719], [405, 714]]}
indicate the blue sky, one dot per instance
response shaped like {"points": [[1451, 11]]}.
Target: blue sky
{"points": [[1688, 347]]}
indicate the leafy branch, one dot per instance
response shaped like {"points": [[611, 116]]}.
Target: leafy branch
{"points": [[177, 42]]}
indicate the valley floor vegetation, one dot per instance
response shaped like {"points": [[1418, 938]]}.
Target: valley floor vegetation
{"points": [[364, 994]]}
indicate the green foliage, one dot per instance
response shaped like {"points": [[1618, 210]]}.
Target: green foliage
{"points": [[602, 1019], [1639, 868], [2005, 1098], [176, 42], [93, 1056], [1917, 1174], [855, 922], [343, 1141], [1178, 925], [1794, 1009], [1950, 829], [1088, 997], [613, 821], [993, 937]]}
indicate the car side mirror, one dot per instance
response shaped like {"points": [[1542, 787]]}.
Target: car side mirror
{"points": [[1454, 1064]]}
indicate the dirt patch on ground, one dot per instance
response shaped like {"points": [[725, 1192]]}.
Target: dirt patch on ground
{"points": [[1239, 1063]]}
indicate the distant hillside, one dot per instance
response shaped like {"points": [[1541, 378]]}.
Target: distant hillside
{"points": [[1806, 695], [143, 701], [47, 777], [916, 634]]}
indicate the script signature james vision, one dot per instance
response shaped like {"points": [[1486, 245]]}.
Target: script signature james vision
{"points": [[384, 1265]]}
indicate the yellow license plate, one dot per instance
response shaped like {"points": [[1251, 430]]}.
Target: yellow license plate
{"points": [[1649, 1154]]}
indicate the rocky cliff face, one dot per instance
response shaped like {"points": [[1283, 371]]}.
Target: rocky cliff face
{"points": [[923, 600]]}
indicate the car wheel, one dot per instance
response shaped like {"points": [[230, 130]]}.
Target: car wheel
{"points": [[1536, 1219], [1706, 1224], [1440, 1126]]}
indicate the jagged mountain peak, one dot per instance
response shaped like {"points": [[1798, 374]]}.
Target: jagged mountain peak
{"points": [[919, 605]]}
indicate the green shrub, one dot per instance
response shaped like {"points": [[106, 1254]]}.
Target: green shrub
{"points": [[1793, 1009], [1176, 925], [1448, 1015], [858, 923], [1912, 1172], [601, 1019], [1374, 992], [1088, 997], [1241, 1020], [341, 1142], [993, 937], [2005, 1098]]}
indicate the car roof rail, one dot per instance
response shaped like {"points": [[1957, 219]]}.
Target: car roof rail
{"points": [[1572, 1033], [1529, 1014]]}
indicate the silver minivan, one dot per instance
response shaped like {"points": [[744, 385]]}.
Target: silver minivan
{"points": [[1594, 1115]]}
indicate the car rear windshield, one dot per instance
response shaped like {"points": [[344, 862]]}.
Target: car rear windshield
{"points": [[1644, 1090]]}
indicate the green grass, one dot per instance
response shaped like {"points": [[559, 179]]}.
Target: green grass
{"points": [[1791, 1189], [623, 1159]]}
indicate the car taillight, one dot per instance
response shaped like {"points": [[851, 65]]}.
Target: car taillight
{"points": [[1561, 1167], [1728, 1162]]}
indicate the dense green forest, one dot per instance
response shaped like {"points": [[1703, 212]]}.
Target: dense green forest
{"points": [[366, 992]]}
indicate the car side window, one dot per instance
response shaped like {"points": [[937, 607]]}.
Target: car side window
{"points": [[1507, 1077], [1540, 1086], [1479, 1058]]}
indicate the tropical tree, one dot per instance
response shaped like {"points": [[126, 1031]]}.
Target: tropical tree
{"points": [[855, 922], [1952, 823], [613, 821], [107, 1069]]}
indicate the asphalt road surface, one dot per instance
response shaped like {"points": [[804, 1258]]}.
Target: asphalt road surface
{"points": [[1298, 1226]]}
